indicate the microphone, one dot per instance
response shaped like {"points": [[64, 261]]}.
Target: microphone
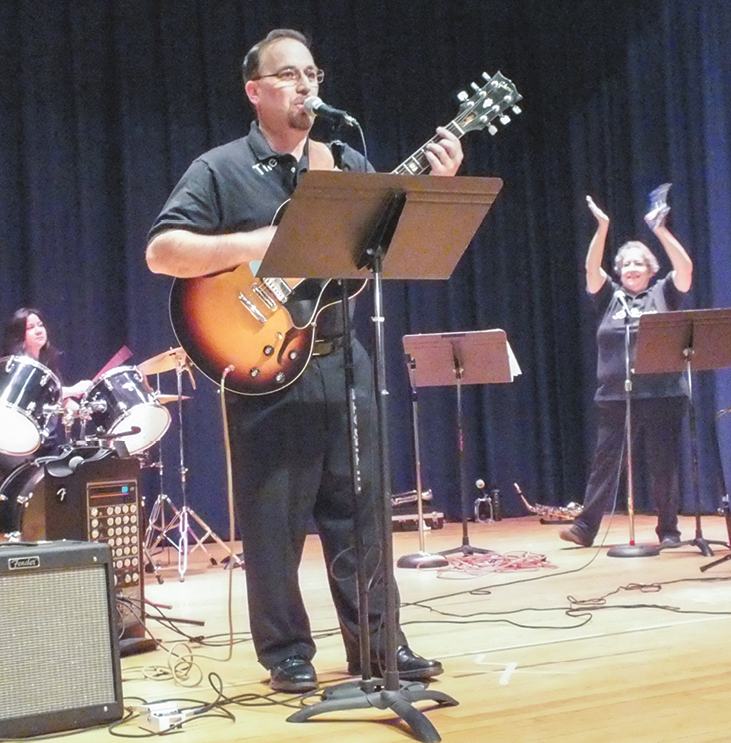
{"points": [[316, 106], [619, 294]]}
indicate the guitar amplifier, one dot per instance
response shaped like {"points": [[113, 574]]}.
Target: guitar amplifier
{"points": [[59, 656]]}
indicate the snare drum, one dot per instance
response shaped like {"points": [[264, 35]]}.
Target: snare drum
{"points": [[120, 401], [30, 394]]}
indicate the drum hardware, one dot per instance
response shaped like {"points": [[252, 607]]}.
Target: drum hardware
{"points": [[182, 516]]}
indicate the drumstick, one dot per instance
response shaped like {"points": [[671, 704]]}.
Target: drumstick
{"points": [[120, 357]]}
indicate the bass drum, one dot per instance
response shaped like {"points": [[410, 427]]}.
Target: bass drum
{"points": [[21, 503], [120, 401], [29, 394]]}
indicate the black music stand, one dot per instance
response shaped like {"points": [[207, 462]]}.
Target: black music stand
{"points": [[444, 359], [687, 341], [367, 225]]}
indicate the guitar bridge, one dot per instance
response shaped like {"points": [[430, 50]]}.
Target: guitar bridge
{"points": [[253, 309]]}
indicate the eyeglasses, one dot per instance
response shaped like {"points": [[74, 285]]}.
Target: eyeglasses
{"points": [[291, 75]]}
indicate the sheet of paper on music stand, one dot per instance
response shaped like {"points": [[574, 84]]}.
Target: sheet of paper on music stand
{"points": [[484, 355]]}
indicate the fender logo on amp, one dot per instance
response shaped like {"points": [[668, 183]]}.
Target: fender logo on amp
{"points": [[24, 563]]}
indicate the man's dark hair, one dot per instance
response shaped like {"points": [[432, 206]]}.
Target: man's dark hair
{"points": [[250, 65]]}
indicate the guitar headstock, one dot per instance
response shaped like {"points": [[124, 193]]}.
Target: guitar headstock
{"points": [[487, 103]]}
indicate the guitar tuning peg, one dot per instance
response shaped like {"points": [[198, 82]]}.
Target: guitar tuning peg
{"points": [[492, 129], [462, 96], [475, 87], [505, 119], [517, 109], [485, 76]]}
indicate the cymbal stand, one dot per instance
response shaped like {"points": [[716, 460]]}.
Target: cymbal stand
{"points": [[182, 517], [158, 524]]}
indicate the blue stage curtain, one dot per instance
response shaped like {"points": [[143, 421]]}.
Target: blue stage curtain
{"points": [[106, 103]]}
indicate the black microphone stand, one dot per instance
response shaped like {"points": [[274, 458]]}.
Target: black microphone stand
{"points": [[422, 558], [465, 548], [703, 544], [424, 218], [389, 692], [631, 549]]}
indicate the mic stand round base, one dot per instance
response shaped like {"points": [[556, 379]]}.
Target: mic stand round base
{"points": [[633, 550], [422, 560]]}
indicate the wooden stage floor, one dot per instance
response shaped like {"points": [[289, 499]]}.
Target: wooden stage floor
{"points": [[648, 663]]}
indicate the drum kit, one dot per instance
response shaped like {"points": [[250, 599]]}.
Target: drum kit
{"points": [[119, 410]]}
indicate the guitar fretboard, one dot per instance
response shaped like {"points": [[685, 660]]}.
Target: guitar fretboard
{"points": [[417, 163]]}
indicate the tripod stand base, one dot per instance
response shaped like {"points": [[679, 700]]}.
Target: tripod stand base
{"points": [[366, 694], [633, 550], [422, 560], [467, 549], [713, 564], [704, 545]]}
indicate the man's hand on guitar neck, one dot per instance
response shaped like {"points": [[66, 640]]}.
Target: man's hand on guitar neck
{"points": [[445, 155], [184, 254]]}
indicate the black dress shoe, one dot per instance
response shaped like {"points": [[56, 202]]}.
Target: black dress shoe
{"points": [[411, 667], [293, 676]]}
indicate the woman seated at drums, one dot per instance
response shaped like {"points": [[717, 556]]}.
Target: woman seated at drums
{"points": [[26, 337]]}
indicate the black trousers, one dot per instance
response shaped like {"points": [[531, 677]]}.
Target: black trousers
{"points": [[291, 463], [656, 421]]}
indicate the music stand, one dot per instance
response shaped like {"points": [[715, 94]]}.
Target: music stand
{"points": [[386, 226], [445, 359], [686, 341]]}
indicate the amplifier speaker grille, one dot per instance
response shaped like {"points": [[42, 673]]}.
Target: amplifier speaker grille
{"points": [[59, 654]]}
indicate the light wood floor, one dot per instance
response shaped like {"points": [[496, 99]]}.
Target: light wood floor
{"points": [[521, 669]]}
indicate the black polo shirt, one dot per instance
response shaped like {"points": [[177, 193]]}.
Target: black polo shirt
{"points": [[239, 187], [661, 296]]}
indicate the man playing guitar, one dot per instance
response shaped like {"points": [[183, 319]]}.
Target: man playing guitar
{"points": [[290, 450]]}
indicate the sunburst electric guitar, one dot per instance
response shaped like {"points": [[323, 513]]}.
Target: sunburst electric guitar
{"points": [[235, 319]]}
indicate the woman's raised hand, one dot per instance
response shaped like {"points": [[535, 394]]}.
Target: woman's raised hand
{"points": [[596, 211]]}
